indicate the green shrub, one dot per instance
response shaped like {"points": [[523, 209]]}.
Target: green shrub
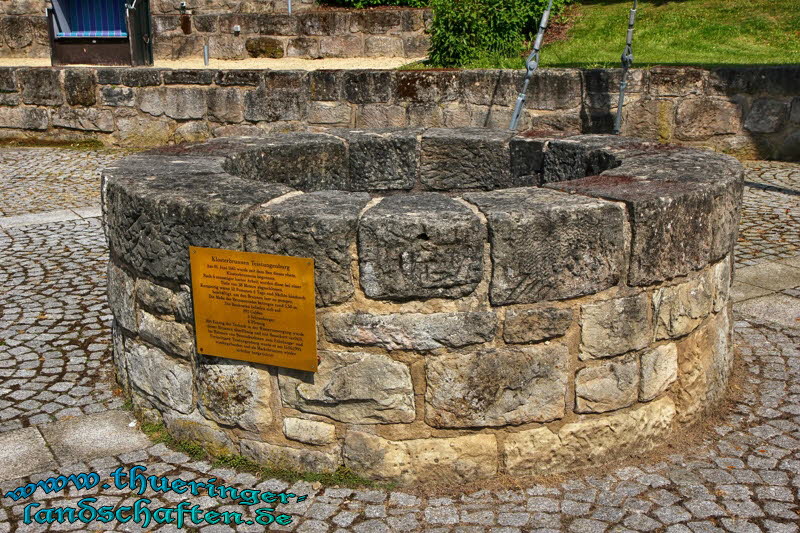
{"points": [[359, 4], [467, 30]]}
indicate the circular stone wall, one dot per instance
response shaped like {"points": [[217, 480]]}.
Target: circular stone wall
{"points": [[486, 303]]}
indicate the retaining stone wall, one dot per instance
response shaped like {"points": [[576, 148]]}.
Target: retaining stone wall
{"points": [[751, 112], [486, 303], [264, 32]]}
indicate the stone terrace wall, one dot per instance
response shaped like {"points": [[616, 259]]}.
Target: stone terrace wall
{"points": [[752, 112], [263, 33]]}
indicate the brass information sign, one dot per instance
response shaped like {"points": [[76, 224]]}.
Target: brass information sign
{"points": [[255, 307]]}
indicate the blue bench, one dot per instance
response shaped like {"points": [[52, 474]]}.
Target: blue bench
{"points": [[90, 18]]}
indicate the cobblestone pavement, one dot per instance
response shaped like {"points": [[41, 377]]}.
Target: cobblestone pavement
{"points": [[54, 365]]}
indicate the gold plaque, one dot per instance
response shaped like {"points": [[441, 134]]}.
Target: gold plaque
{"points": [[255, 307]]}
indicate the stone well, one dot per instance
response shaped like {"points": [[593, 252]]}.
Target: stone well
{"points": [[486, 303]]}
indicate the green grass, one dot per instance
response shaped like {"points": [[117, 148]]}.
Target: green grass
{"points": [[690, 32]]}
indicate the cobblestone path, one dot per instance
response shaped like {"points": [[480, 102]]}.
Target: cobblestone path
{"points": [[743, 476]]}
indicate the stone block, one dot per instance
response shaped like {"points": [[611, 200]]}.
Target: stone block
{"points": [[523, 326], [137, 77], [380, 116], [607, 386], [239, 77], [157, 299], [549, 89], [497, 386], [225, 105], [329, 113], [264, 47], [679, 309], [109, 76], [465, 159], [309, 431], [162, 378], [278, 24], [615, 326], [8, 80], [234, 393], [194, 428], [341, 46], [226, 46], [381, 160], [40, 86], [180, 103], [676, 81], [541, 450], [307, 47], [119, 356], [766, 116], [273, 103], [659, 370], [320, 225], [582, 240], [286, 457], [117, 96], [24, 118], [527, 161], [721, 284], [248, 23], [416, 45], [17, 32], [381, 21], [206, 23], [410, 331], [420, 246], [352, 387], [383, 46], [121, 297], [80, 87], [322, 22], [325, 85], [367, 86], [91, 119], [433, 460], [423, 115], [426, 86], [700, 118], [794, 115], [173, 337], [188, 77], [412, 20]]}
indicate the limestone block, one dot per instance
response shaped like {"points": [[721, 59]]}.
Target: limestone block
{"points": [[120, 297], [329, 113], [80, 87], [383, 46], [171, 336], [24, 118], [700, 118], [410, 331], [40, 86], [497, 386], [160, 377], [551, 246], [467, 159], [523, 326], [264, 47], [367, 86], [298, 459], [320, 225], [380, 116], [117, 96], [90, 119], [234, 393], [309, 431], [615, 326], [225, 105], [180, 103], [381, 160], [680, 308], [589, 441], [194, 428], [607, 386], [721, 284], [352, 387], [659, 371], [420, 246], [434, 460]]}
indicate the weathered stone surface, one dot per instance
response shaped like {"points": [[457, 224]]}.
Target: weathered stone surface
{"points": [[155, 298], [699, 118], [185, 201], [225, 105], [120, 297], [380, 116], [188, 77], [234, 393], [195, 428], [607, 386], [533, 325], [420, 246], [283, 96], [226, 47], [171, 336], [304, 161], [467, 159], [175, 102], [679, 309], [410, 331], [8, 80], [381, 160], [527, 161], [352, 387], [589, 441], [616, 326], [721, 284], [264, 47], [80, 86], [303, 47], [383, 46], [162, 378], [659, 370], [239, 77], [24, 118], [194, 131], [40, 86], [497, 387], [278, 24], [550, 246], [434, 460], [91, 119], [17, 32], [320, 225], [298, 459], [137, 77], [325, 85], [794, 115], [329, 113], [120, 357], [367, 86], [586, 155], [117, 96], [341, 46], [309, 431], [766, 116]]}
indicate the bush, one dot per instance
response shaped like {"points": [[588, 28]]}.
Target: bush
{"points": [[468, 30], [359, 4]]}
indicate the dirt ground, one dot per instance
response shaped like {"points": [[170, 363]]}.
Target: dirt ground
{"points": [[290, 63]]}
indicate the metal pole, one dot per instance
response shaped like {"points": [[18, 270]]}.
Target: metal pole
{"points": [[627, 61], [531, 64], [290, 7], [205, 54]]}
